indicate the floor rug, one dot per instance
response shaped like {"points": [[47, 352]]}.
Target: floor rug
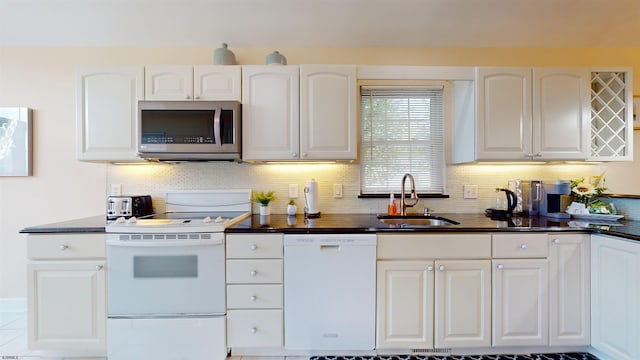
{"points": [[555, 356]]}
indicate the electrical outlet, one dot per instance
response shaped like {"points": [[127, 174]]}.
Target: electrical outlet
{"points": [[337, 191], [293, 191], [470, 191], [115, 189]]}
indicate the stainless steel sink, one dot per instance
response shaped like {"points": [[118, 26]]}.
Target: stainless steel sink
{"points": [[416, 221]]}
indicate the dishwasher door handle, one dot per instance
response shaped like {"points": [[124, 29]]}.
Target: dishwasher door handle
{"points": [[330, 247]]}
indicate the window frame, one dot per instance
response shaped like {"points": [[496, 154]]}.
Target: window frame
{"points": [[446, 116]]}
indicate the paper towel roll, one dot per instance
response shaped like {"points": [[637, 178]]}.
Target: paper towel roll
{"points": [[311, 197]]}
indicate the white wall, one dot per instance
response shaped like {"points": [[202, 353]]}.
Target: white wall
{"points": [[63, 188]]}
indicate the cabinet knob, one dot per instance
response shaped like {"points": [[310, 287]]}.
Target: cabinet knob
{"points": [[99, 267], [523, 247], [538, 155], [304, 155], [187, 97], [197, 97], [294, 155], [254, 330], [441, 267], [64, 247], [253, 298], [499, 267], [254, 272], [254, 247], [430, 268], [556, 241]]}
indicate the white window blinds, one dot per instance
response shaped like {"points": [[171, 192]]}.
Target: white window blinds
{"points": [[402, 130]]}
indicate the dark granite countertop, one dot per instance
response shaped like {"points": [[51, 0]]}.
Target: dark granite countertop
{"points": [[357, 223], [93, 224]]}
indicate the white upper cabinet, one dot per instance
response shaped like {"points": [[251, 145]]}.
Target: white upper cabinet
{"points": [[270, 113], [538, 114], [106, 112], [328, 124], [200, 82], [305, 112]]}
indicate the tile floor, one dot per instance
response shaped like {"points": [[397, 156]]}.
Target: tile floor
{"points": [[13, 329]]}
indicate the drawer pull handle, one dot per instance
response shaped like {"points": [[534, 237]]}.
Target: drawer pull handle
{"points": [[499, 267], [430, 268], [99, 267], [254, 247], [254, 272], [441, 267], [556, 241], [523, 247], [254, 330], [64, 247], [253, 298]]}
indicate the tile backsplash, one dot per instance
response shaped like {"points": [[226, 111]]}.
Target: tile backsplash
{"points": [[156, 179]]}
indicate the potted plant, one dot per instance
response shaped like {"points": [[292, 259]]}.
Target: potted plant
{"points": [[291, 208], [264, 198]]}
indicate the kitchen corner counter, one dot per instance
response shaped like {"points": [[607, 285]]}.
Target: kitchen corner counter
{"points": [[358, 223], [93, 224]]}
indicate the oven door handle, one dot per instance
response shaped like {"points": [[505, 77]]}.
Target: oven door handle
{"points": [[164, 243]]}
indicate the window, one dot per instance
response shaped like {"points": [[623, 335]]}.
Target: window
{"points": [[402, 131]]}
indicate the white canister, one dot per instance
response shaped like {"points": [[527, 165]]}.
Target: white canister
{"points": [[224, 56], [311, 197], [275, 58]]}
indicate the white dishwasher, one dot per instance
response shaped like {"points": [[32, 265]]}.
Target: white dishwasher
{"points": [[329, 291]]}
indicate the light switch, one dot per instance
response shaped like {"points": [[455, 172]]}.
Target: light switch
{"points": [[293, 191], [337, 191]]}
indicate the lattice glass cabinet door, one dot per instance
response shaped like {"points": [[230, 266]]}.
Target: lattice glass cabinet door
{"points": [[611, 115]]}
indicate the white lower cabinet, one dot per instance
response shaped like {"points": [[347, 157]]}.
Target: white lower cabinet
{"points": [[432, 293], [615, 297], [520, 289], [254, 291], [569, 290], [520, 303], [463, 303], [67, 294]]}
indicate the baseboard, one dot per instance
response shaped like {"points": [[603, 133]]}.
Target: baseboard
{"points": [[13, 304]]}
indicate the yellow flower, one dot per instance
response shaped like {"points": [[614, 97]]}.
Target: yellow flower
{"points": [[584, 189]]}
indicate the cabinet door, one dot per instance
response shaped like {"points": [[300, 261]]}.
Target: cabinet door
{"points": [[217, 82], [504, 113], [168, 83], [107, 112], [67, 306], [569, 290], [328, 123], [270, 113], [405, 305], [615, 297], [463, 303], [561, 113], [520, 302]]}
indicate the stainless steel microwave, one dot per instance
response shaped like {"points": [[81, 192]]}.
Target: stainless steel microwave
{"points": [[189, 130]]}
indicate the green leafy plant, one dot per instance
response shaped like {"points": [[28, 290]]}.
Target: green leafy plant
{"points": [[291, 202], [264, 198]]}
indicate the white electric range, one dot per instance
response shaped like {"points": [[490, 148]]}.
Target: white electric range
{"points": [[166, 277]]}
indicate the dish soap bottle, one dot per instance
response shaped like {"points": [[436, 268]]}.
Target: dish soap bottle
{"points": [[392, 208]]}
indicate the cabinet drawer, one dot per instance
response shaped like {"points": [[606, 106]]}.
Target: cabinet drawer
{"points": [[254, 328], [520, 246], [247, 246], [66, 246], [254, 271], [254, 296]]}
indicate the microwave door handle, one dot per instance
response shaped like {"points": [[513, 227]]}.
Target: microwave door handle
{"points": [[216, 125]]}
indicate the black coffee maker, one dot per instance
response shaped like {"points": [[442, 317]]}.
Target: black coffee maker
{"points": [[512, 202]]}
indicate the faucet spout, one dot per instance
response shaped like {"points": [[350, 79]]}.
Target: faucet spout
{"points": [[413, 196]]}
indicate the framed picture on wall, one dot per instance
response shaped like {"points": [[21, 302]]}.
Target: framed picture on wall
{"points": [[15, 141], [636, 112]]}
